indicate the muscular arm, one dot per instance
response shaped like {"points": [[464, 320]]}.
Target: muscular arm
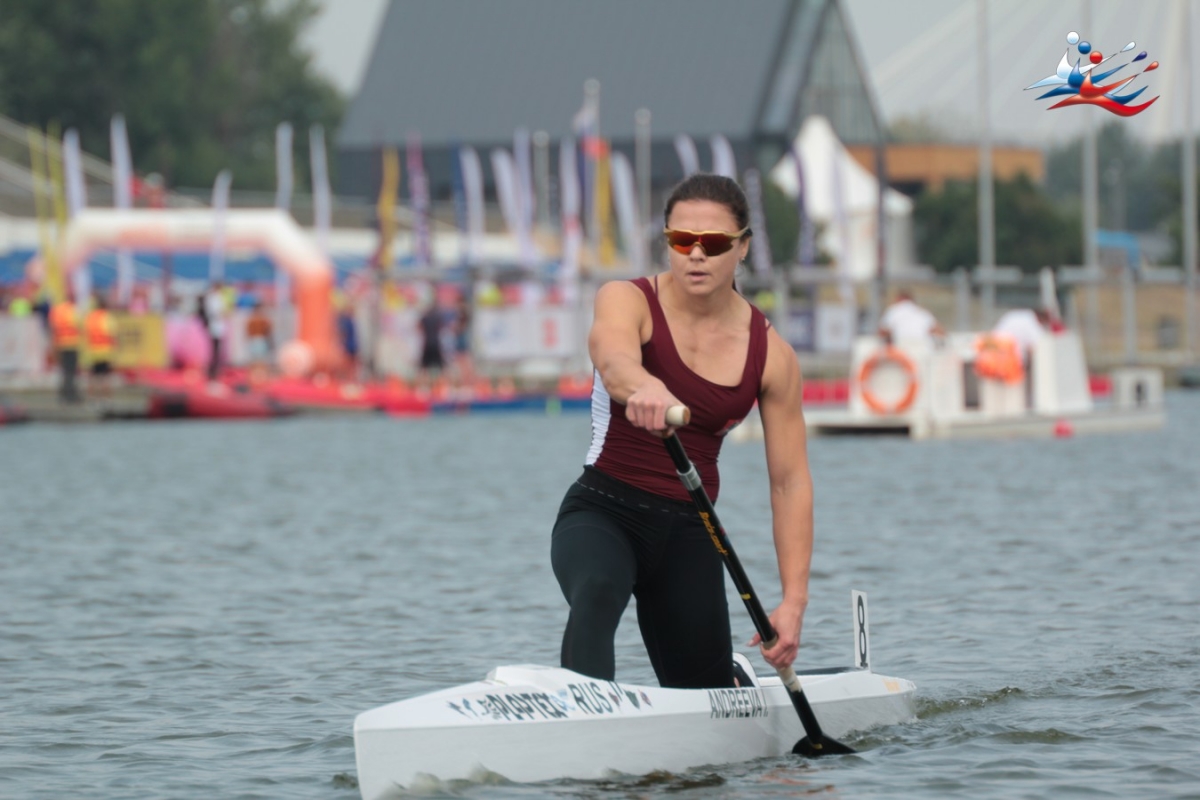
{"points": [[791, 492], [621, 324]]}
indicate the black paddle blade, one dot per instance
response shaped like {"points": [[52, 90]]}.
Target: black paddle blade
{"points": [[827, 747]]}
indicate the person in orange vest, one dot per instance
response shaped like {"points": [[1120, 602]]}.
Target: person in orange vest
{"points": [[65, 334], [101, 331]]}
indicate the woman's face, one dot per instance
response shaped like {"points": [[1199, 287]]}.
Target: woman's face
{"points": [[698, 272]]}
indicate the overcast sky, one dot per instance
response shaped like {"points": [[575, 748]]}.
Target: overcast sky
{"points": [[922, 56]]}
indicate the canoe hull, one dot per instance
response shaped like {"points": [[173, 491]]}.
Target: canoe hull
{"points": [[530, 723]]}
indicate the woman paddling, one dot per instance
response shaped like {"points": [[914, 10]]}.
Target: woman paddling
{"points": [[627, 526]]}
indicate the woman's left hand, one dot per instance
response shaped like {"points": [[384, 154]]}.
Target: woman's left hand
{"points": [[786, 620]]}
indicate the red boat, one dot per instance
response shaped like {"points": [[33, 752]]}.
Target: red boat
{"points": [[11, 415], [213, 402]]}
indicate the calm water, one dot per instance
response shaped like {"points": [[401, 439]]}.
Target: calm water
{"points": [[199, 610]]}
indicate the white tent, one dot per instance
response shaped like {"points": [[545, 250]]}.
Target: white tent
{"points": [[842, 198]]}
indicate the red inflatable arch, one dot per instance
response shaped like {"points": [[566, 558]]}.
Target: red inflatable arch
{"points": [[270, 231]]}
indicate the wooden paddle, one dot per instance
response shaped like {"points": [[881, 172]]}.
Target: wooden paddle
{"points": [[815, 743]]}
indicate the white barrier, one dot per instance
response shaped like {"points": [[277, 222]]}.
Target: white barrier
{"points": [[514, 334], [23, 345]]}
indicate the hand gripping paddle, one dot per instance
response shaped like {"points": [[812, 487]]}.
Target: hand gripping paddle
{"points": [[815, 743]]}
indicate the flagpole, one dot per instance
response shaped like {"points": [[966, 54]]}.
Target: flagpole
{"points": [[284, 184], [1091, 255], [987, 231], [1189, 189], [879, 287], [122, 162]]}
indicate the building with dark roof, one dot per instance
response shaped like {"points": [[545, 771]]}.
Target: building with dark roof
{"points": [[472, 72]]}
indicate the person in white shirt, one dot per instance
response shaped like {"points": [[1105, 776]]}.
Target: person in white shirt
{"points": [[904, 320], [214, 319], [1024, 326]]}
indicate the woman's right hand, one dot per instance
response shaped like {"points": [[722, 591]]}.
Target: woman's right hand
{"points": [[647, 408]]}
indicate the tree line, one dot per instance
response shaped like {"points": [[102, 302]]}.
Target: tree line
{"points": [[202, 83], [1042, 225]]}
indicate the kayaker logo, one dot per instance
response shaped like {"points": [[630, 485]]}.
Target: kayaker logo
{"points": [[1081, 83]]}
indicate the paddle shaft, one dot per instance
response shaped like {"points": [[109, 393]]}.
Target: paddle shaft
{"points": [[762, 623]]}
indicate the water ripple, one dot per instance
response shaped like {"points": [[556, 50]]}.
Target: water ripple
{"points": [[212, 606]]}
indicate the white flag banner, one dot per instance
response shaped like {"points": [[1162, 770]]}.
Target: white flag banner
{"points": [[122, 163], [472, 174], [284, 178], [806, 245], [76, 189], [507, 190], [122, 166], [572, 232], [722, 157], [760, 246], [81, 283], [418, 193], [586, 118], [322, 196], [523, 155], [585, 125], [220, 206], [504, 174], [284, 183], [841, 219], [625, 200], [689, 158]]}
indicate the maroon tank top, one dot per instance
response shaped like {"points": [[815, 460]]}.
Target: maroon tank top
{"points": [[638, 457]]}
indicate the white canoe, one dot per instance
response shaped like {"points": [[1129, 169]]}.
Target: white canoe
{"points": [[531, 723]]}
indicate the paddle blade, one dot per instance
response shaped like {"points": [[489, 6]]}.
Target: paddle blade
{"points": [[827, 747]]}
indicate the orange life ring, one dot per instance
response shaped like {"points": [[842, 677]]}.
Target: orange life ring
{"points": [[874, 403]]}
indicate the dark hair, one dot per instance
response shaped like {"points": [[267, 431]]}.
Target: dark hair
{"points": [[714, 188]]}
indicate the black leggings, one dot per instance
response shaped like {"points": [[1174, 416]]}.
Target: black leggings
{"points": [[611, 541]]}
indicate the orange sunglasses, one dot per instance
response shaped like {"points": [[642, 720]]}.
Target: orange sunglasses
{"points": [[713, 243]]}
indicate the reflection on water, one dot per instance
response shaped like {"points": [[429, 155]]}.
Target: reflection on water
{"points": [[201, 609]]}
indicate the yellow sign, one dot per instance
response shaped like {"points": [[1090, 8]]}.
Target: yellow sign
{"points": [[141, 342], [386, 207]]}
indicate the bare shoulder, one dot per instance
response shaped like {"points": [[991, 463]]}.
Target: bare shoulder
{"points": [[621, 306], [782, 371], [781, 383], [620, 294], [621, 301]]}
